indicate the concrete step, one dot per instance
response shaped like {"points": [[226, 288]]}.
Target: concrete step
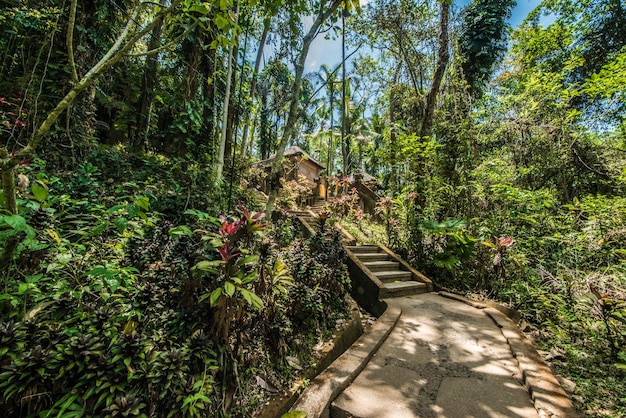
{"points": [[366, 257], [375, 266], [397, 289], [358, 249], [394, 276]]}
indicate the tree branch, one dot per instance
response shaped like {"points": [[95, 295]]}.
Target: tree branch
{"points": [[166, 46], [331, 73], [113, 55]]}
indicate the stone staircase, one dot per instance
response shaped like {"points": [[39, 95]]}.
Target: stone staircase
{"points": [[309, 220], [377, 272], [392, 275], [318, 206], [309, 216]]}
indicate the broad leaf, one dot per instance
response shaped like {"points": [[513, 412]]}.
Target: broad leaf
{"points": [[247, 260], [40, 190], [252, 299], [132, 210], [229, 289], [215, 295], [208, 266], [180, 230], [143, 202], [16, 222], [121, 223]]}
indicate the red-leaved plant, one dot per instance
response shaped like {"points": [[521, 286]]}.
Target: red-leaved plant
{"points": [[232, 274]]}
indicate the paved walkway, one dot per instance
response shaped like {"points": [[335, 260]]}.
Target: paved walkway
{"points": [[443, 358]]}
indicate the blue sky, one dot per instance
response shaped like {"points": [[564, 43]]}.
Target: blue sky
{"points": [[329, 52]]}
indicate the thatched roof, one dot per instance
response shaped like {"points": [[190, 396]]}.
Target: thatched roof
{"points": [[367, 178], [292, 152]]}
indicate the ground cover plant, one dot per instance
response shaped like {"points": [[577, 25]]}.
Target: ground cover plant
{"points": [[118, 309], [496, 143], [562, 266]]}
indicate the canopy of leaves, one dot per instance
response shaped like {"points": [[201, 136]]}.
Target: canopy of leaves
{"points": [[482, 41]]}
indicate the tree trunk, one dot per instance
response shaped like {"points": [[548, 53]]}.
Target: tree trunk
{"points": [[148, 83], [253, 83], [443, 55], [208, 91], [10, 205], [232, 111], [393, 180], [345, 143], [219, 167], [192, 76], [290, 126]]}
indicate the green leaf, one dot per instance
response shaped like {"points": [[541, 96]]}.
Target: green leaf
{"points": [[40, 190], [8, 233], [121, 223], [115, 208], [252, 299], [250, 277], [295, 414], [25, 287], [215, 295], [132, 210], [198, 9], [143, 202], [99, 271], [208, 266], [220, 21], [65, 403], [99, 228], [180, 230], [16, 222], [247, 260], [229, 289], [112, 282]]}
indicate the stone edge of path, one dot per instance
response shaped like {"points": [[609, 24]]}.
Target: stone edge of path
{"points": [[547, 394], [315, 400]]}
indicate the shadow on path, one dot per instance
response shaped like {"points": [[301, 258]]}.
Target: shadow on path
{"points": [[443, 359]]}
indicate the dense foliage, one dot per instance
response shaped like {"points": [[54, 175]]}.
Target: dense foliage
{"points": [[519, 194], [122, 302], [126, 129]]}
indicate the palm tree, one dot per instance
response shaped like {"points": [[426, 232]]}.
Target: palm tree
{"points": [[353, 122], [328, 78]]}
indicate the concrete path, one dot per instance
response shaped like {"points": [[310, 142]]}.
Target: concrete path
{"points": [[443, 358]]}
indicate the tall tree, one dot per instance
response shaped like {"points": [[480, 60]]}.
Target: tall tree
{"points": [[482, 41], [141, 20], [443, 55], [328, 78], [219, 165], [325, 9], [148, 83]]}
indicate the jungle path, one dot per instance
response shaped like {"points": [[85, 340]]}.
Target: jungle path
{"points": [[434, 356], [429, 355]]}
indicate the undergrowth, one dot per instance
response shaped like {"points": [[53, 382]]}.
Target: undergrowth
{"points": [[130, 296], [562, 267]]}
